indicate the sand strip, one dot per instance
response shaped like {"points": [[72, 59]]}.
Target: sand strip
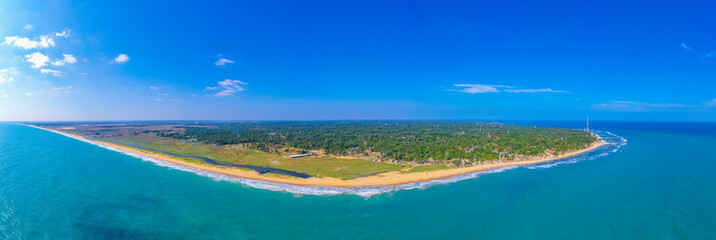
{"points": [[390, 178]]}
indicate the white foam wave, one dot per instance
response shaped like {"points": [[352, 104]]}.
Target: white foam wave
{"points": [[366, 191], [620, 141]]}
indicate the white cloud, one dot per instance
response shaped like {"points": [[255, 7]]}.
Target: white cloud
{"points": [[28, 94], [121, 58], [28, 26], [158, 99], [684, 46], [705, 57], [37, 59], [5, 95], [222, 62], [478, 88], [154, 87], [26, 43], [229, 87], [656, 105], [7, 74], [534, 90], [712, 103], [62, 88], [484, 88], [68, 59], [211, 88], [64, 34], [632, 106], [50, 71]]}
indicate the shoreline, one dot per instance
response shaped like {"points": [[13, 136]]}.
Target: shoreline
{"points": [[383, 179]]}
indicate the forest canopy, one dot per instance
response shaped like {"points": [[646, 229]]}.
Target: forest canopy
{"points": [[417, 141]]}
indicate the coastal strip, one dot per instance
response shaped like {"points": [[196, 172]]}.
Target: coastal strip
{"points": [[384, 179], [259, 169]]}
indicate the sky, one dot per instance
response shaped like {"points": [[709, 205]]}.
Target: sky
{"points": [[329, 60]]}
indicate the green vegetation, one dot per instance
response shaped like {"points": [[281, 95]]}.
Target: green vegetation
{"points": [[343, 149], [457, 143]]}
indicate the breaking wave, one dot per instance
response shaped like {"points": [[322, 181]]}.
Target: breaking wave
{"points": [[617, 143]]}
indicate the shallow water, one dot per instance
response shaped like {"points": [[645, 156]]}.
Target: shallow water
{"points": [[661, 185]]}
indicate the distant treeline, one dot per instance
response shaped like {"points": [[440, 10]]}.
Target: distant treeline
{"points": [[459, 142]]}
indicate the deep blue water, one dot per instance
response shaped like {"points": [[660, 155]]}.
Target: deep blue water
{"points": [[661, 185]]}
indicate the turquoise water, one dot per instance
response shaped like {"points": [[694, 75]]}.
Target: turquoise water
{"points": [[661, 185]]}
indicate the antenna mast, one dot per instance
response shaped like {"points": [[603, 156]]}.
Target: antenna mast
{"points": [[587, 123]]}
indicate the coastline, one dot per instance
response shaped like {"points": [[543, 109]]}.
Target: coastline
{"points": [[384, 179]]}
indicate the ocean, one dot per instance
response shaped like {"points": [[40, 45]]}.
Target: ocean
{"points": [[658, 183]]}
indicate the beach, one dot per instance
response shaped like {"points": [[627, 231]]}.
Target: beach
{"points": [[384, 179]]}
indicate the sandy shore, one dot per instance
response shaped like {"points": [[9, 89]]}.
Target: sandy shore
{"points": [[390, 178]]}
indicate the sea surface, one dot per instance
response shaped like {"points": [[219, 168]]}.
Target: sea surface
{"points": [[658, 182]]}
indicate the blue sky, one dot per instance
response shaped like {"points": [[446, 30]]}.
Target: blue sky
{"points": [[300, 60]]}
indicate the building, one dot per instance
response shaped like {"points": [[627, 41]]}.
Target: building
{"points": [[301, 155]]}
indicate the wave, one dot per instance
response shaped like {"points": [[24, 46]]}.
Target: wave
{"points": [[617, 142], [366, 191]]}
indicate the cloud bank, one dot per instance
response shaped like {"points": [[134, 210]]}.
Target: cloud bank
{"points": [[633, 106]]}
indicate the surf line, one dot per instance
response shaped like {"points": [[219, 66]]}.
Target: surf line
{"points": [[259, 169]]}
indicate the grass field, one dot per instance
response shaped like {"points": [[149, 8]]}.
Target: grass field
{"points": [[317, 166], [426, 168]]}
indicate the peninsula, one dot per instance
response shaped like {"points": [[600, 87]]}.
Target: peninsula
{"points": [[336, 153]]}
